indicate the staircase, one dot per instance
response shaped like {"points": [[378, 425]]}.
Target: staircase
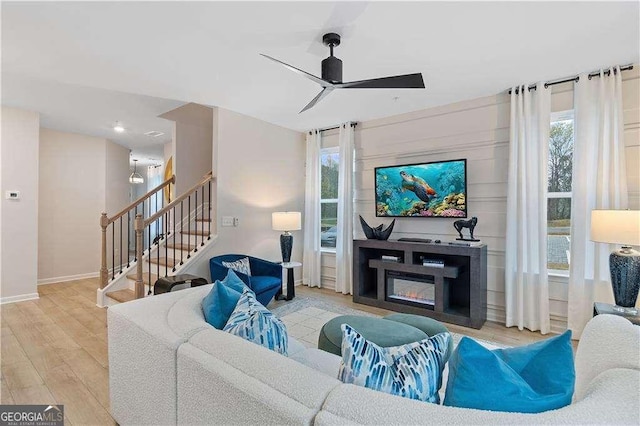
{"points": [[166, 240]]}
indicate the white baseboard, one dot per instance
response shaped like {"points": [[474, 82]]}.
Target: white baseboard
{"points": [[68, 278], [19, 298]]}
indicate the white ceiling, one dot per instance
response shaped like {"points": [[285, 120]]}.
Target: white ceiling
{"points": [[92, 111], [208, 52]]}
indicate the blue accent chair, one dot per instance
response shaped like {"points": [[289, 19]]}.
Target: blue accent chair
{"points": [[265, 279]]}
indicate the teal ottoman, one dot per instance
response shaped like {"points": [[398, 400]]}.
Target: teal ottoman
{"points": [[392, 330]]}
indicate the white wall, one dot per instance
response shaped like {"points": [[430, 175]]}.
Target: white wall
{"points": [[19, 227], [80, 177], [117, 186], [192, 139], [477, 130], [260, 170], [72, 197]]}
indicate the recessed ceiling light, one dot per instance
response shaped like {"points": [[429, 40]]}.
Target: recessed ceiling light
{"points": [[118, 127]]}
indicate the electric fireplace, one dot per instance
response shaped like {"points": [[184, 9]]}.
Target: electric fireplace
{"points": [[411, 289]]}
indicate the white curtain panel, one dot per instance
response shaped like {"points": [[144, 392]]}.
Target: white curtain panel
{"points": [[311, 253], [344, 239], [599, 182], [526, 281]]}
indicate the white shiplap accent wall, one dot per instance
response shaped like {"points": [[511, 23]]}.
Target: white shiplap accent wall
{"points": [[477, 130]]}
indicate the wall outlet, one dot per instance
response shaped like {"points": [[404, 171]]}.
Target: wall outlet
{"points": [[12, 195]]}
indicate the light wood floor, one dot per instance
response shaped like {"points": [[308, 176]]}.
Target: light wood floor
{"points": [[54, 349]]}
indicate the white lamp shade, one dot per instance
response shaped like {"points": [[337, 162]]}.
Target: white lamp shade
{"points": [[616, 227], [286, 221]]}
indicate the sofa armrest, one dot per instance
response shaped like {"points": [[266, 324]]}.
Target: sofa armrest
{"points": [[608, 341]]}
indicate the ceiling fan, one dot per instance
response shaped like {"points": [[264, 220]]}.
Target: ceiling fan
{"points": [[332, 75]]}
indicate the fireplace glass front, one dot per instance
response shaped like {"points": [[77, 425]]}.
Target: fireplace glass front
{"points": [[411, 288]]}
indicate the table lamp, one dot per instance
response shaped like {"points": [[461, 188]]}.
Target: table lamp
{"points": [[620, 227], [286, 221]]}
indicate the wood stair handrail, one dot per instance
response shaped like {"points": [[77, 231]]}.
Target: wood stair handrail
{"points": [[124, 211], [208, 177]]}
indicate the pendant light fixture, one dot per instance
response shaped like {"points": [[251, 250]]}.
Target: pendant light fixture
{"points": [[135, 176]]}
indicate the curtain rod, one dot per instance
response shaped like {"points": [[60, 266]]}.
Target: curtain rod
{"points": [[354, 124], [576, 78]]}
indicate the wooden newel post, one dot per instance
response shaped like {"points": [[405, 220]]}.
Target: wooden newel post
{"points": [[139, 228], [104, 272]]}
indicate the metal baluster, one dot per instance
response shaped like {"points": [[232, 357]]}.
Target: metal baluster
{"points": [[157, 258], [120, 244], [181, 234], [209, 209], [174, 239], [128, 236], [202, 214], [189, 222], [149, 257], [113, 250], [195, 219], [165, 225]]}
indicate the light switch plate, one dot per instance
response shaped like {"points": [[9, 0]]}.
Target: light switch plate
{"points": [[227, 220]]}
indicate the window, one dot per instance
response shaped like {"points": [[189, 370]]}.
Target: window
{"points": [[329, 160], [559, 191]]}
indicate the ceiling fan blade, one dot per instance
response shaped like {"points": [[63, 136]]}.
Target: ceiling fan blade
{"points": [[407, 81], [317, 99], [312, 77]]}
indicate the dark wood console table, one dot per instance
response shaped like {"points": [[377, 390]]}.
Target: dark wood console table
{"points": [[457, 292]]}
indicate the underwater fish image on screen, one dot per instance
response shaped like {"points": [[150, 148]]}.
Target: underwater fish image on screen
{"points": [[437, 189]]}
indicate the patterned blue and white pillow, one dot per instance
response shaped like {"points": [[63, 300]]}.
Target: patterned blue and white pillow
{"points": [[240, 265], [412, 371], [253, 322]]}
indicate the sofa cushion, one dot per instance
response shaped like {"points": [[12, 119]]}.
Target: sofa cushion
{"points": [[321, 361], [255, 323], [412, 370], [240, 265], [527, 379], [264, 283]]}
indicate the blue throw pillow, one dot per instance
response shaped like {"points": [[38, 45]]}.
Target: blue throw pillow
{"points": [[233, 281], [412, 371], [222, 300], [253, 322], [527, 379]]}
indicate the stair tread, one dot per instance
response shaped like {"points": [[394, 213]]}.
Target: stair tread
{"points": [[164, 261], [122, 296], [195, 232], [145, 277], [183, 246]]}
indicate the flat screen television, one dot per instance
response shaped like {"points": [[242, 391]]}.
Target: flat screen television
{"points": [[436, 189]]}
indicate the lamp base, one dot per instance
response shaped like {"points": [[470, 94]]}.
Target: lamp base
{"points": [[286, 244], [625, 277]]}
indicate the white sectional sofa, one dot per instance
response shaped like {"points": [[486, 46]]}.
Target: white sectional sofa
{"points": [[168, 366]]}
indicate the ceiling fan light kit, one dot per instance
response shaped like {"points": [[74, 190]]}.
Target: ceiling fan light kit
{"points": [[332, 75]]}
